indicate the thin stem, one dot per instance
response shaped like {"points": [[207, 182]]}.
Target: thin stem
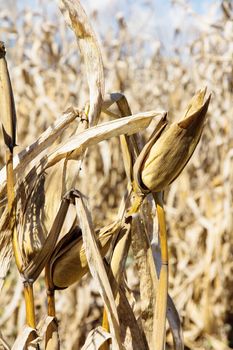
{"points": [[162, 229], [29, 301], [10, 179], [105, 325], [159, 322], [134, 208], [10, 204], [50, 293], [51, 303]]}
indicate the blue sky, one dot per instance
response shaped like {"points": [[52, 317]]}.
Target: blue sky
{"points": [[156, 19]]}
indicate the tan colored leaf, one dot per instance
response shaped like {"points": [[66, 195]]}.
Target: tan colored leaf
{"points": [[26, 340], [133, 334], [77, 144], [52, 341], [5, 245], [175, 325], [4, 343], [97, 269], [25, 157], [77, 19], [96, 338]]}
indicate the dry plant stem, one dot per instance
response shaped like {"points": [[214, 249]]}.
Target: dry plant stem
{"points": [[159, 322], [50, 294], [137, 201], [29, 301], [51, 303], [105, 325], [10, 179]]}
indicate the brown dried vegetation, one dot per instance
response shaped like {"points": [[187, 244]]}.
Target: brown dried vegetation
{"points": [[48, 75]]}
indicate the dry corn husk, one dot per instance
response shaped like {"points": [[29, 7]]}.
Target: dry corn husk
{"points": [[7, 105], [68, 263], [159, 165]]}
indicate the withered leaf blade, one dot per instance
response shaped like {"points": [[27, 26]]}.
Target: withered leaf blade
{"points": [[27, 339], [28, 155], [52, 341], [133, 334], [175, 324], [96, 338], [5, 245], [7, 104], [74, 147], [97, 269], [33, 269], [77, 19], [77, 144]]}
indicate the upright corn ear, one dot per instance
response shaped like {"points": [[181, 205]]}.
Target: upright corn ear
{"points": [[7, 111], [172, 150]]}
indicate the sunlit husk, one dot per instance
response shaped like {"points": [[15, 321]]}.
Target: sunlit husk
{"points": [[7, 111], [170, 153]]}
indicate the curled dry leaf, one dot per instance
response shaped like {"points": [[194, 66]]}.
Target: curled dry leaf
{"points": [[96, 338], [175, 324], [77, 19], [52, 341], [24, 158], [27, 339], [74, 147]]}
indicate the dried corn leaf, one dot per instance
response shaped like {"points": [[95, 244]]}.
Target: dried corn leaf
{"points": [[97, 269], [22, 160], [52, 341], [26, 340], [77, 144], [96, 338], [77, 19], [133, 334], [5, 245], [32, 269], [175, 325], [4, 343]]}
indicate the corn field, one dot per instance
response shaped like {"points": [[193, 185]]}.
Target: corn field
{"points": [[115, 182]]}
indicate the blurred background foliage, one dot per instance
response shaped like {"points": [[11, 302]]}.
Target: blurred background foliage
{"points": [[158, 62]]}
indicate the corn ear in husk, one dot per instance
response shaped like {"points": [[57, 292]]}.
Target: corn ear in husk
{"points": [[160, 164], [7, 111], [68, 263]]}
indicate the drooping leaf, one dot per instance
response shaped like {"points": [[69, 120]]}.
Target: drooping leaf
{"points": [[97, 269], [96, 338], [26, 339]]}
